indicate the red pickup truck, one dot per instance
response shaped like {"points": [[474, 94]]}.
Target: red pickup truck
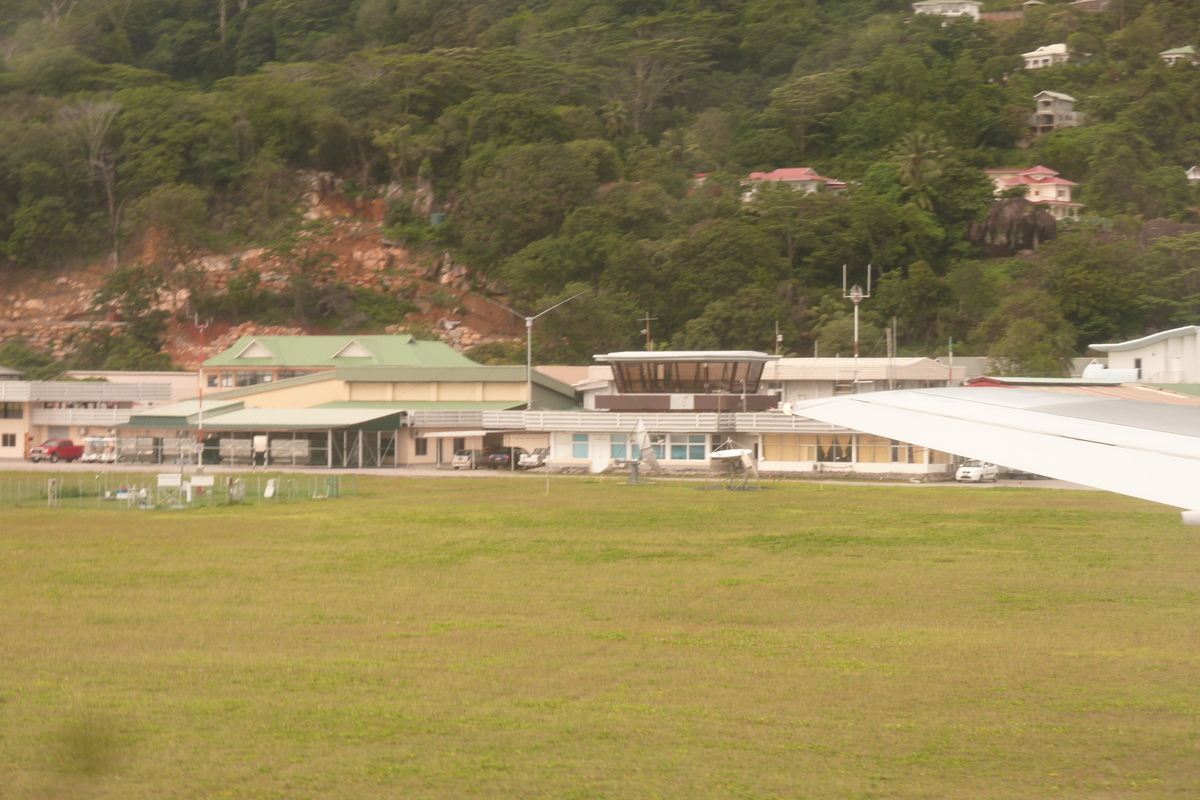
{"points": [[56, 450]]}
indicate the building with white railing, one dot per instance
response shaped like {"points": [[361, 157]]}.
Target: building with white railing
{"points": [[33, 411]]}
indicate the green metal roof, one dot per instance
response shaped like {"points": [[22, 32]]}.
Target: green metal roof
{"points": [[547, 392], [470, 373], [1182, 388], [184, 414], [277, 419], [400, 350]]}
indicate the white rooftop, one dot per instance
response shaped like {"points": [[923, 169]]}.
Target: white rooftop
{"points": [[1154, 338]]}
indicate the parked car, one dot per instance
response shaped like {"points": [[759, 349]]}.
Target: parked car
{"points": [[977, 472], [101, 449], [533, 459], [469, 459], [501, 458], [56, 450]]}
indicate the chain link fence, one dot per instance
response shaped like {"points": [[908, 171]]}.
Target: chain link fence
{"points": [[166, 490]]}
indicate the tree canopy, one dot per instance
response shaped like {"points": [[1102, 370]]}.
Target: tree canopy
{"points": [[563, 141]]}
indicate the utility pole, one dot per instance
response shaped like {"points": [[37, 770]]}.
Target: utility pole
{"points": [[646, 330], [893, 342], [778, 338]]}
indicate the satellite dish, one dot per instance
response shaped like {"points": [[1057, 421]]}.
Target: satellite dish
{"points": [[645, 447], [737, 461], [639, 440]]}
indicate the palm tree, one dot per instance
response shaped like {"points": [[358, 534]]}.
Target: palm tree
{"points": [[918, 153]]}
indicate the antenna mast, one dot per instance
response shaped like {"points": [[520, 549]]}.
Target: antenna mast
{"points": [[856, 296]]}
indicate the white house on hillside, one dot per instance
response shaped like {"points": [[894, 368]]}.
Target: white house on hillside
{"points": [[1042, 185], [948, 8], [1046, 56], [800, 179], [1166, 357], [1054, 110], [1176, 54]]}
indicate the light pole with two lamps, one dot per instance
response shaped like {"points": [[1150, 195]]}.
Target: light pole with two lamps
{"points": [[529, 341]]}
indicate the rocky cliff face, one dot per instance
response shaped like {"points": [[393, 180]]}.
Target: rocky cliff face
{"points": [[48, 309]]}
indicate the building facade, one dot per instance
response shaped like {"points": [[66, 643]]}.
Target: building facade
{"points": [[34, 411], [799, 179], [949, 8], [1166, 357], [1055, 110], [263, 359], [1046, 56], [1040, 185]]}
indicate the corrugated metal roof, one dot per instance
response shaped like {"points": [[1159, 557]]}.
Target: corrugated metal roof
{"points": [[1126, 391], [1178, 388], [471, 373], [400, 350], [182, 414], [286, 419], [863, 369], [430, 405], [270, 419]]}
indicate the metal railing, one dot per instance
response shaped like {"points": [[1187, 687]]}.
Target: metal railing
{"points": [[614, 422], [83, 392], [81, 417]]}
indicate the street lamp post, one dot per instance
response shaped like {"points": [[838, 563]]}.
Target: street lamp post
{"points": [[529, 347], [529, 340], [200, 412]]}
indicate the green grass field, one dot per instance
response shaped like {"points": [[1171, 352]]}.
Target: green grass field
{"points": [[479, 638]]}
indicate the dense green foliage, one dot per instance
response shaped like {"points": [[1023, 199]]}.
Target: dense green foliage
{"points": [[561, 138]]}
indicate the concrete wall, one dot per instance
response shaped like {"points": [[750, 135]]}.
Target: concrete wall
{"points": [[1172, 360]]}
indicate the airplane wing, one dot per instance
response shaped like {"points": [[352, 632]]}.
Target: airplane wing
{"points": [[1137, 448]]}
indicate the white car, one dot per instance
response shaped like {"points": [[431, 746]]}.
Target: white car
{"points": [[977, 472], [534, 459], [469, 459]]}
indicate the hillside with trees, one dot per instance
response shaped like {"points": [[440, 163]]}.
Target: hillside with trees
{"points": [[551, 146]]}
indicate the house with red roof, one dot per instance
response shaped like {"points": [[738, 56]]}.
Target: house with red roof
{"points": [[1042, 185], [800, 179]]}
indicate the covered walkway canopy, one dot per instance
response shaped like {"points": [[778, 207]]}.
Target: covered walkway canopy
{"points": [[234, 434]]}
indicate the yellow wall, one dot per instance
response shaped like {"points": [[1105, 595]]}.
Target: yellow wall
{"points": [[866, 449], [462, 392], [369, 392], [333, 390], [515, 392], [306, 396]]}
